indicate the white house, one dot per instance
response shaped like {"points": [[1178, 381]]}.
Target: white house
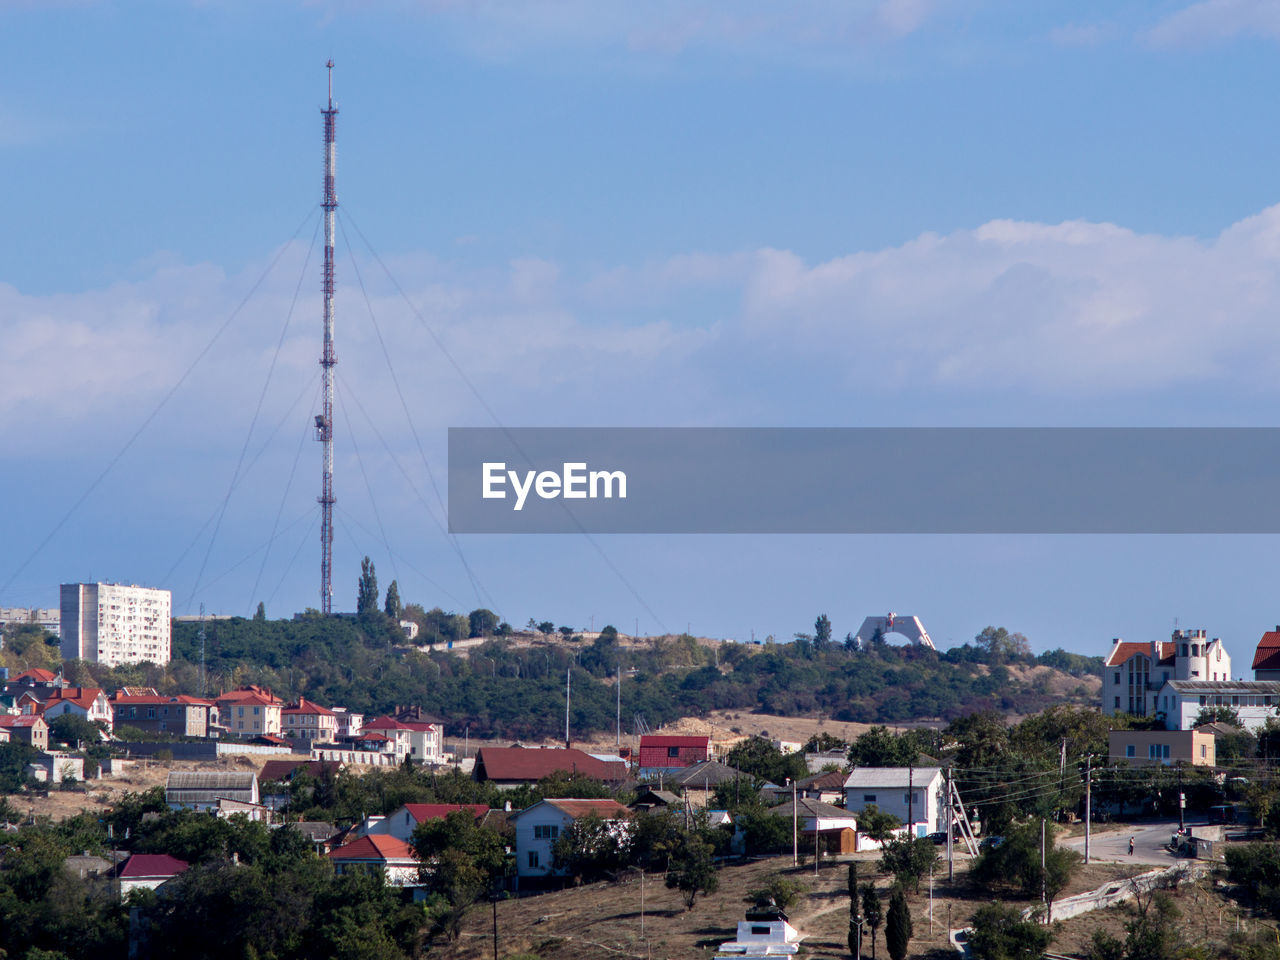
{"points": [[538, 828], [392, 858], [401, 823], [1254, 701], [1135, 672], [148, 870], [913, 795]]}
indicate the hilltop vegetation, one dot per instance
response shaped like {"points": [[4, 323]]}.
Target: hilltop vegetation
{"points": [[510, 689]]}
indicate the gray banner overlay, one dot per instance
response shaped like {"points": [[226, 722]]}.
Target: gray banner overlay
{"points": [[865, 480]]}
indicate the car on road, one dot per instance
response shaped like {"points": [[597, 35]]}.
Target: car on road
{"points": [[940, 837], [990, 843]]}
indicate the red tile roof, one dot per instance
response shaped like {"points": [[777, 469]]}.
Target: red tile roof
{"points": [[530, 764], [605, 809], [26, 720], [1267, 656], [153, 865], [422, 812], [1161, 651], [36, 674], [305, 706], [376, 846], [250, 694], [391, 723]]}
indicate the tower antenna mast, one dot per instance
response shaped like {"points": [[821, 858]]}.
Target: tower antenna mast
{"points": [[328, 359]]}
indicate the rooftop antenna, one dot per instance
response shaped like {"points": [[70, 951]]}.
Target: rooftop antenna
{"points": [[328, 359]]}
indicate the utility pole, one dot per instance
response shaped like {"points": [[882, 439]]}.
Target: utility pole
{"points": [[328, 359], [495, 927], [568, 679], [1088, 803], [1182, 803], [1044, 880], [619, 722], [911, 801], [951, 821], [203, 689], [795, 827]]}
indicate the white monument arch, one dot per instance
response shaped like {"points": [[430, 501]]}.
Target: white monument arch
{"points": [[910, 627]]}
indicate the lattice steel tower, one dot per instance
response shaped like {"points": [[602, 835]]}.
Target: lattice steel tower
{"points": [[328, 359]]}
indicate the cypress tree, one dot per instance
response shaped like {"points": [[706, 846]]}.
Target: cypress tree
{"points": [[897, 928], [871, 910]]}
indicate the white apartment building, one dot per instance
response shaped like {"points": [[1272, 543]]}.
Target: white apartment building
{"points": [[46, 617], [111, 623]]}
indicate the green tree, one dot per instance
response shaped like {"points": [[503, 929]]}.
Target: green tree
{"points": [[880, 747], [1000, 933], [1220, 714], [546, 626], [392, 607], [781, 889], [72, 729], [260, 615], [897, 928], [1003, 645], [590, 849], [367, 589], [482, 623], [821, 631], [760, 758], [908, 859], [693, 869], [873, 913], [876, 823]]}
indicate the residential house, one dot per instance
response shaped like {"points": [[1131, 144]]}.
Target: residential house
{"points": [[250, 711], [84, 865], [309, 722], [650, 799], [508, 767], [349, 723], [1254, 701], [89, 703], [1142, 748], [198, 790], [419, 738], [35, 679], [402, 822], [1134, 673], [538, 827], [827, 787], [912, 794], [182, 715], [378, 853], [1266, 658], [831, 829], [148, 870], [660, 753], [318, 833], [698, 783], [28, 728]]}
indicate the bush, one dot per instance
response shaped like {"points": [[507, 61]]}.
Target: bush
{"points": [[1000, 933], [784, 891]]}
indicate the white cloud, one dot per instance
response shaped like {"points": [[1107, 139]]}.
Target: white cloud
{"points": [[1210, 21]]}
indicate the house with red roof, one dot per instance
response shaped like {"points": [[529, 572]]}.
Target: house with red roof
{"points": [[28, 728], [1266, 658], [538, 827], [401, 823], [1134, 673], [660, 753], [89, 703], [183, 715], [309, 722], [417, 737], [149, 870], [508, 767], [250, 711], [378, 853]]}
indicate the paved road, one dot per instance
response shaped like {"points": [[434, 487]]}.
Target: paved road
{"points": [[1112, 843]]}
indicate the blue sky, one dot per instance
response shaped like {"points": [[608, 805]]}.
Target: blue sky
{"points": [[891, 212]]}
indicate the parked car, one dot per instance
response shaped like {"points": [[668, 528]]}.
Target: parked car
{"points": [[990, 843], [940, 837]]}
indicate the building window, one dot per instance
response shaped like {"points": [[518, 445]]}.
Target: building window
{"points": [[1204, 751], [673, 751], [545, 831], [868, 798], [533, 859], [1130, 750], [1117, 703], [1157, 751]]}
